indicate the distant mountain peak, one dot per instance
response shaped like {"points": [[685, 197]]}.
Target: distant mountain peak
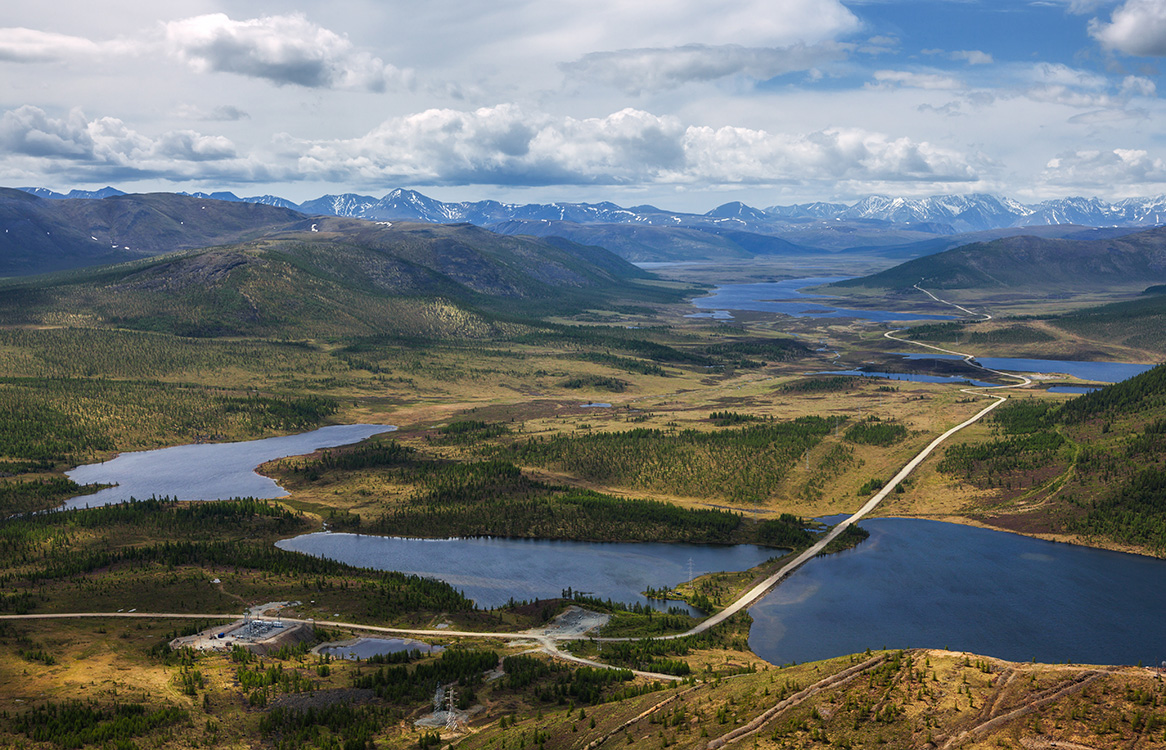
{"points": [[939, 214]]}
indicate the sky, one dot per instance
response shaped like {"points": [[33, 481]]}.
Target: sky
{"points": [[682, 104]]}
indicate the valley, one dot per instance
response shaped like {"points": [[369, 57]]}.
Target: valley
{"points": [[546, 392]]}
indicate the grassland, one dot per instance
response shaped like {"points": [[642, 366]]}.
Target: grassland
{"points": [[911, 699], [715, 434]]}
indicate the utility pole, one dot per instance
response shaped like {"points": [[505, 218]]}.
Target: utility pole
{"points": [[450, 703]]}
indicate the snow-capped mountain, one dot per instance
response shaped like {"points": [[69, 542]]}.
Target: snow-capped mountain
{"points": [[272, 200], [940, 214], [104, 192]]}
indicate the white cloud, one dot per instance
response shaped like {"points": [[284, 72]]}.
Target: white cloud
{"points": [[221, 113], [508, 145], [281, 49], [1104, 116], [908, 79], [78, 145], [973, 57], [728, 155], [576, 27], [1102, 169], [1053, 83], [30, 45], [637, 70], [1138, 86], [1138, 27], [1076, 7]]}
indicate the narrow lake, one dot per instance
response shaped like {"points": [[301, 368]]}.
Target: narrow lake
{"points": [[491, 571], [926, 583], [207, 471], [783, 297], [1101, 372]]}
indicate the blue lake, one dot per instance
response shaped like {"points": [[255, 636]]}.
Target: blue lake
{"points": [[208, 471], [931, 584], [783, 297], [491, 571], [1078, 390], [1102, 372]]}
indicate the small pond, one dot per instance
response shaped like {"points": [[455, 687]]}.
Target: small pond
{"points": [[206, 471], [364, 648], [940, 585], [491, 571]]}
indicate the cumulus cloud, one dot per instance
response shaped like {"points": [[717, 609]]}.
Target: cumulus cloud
{"points": [[1103, 169], [78, 145], [30, 46], [1137, 27], [286, 50], [501, 145], [509, 145], [636, 70]]}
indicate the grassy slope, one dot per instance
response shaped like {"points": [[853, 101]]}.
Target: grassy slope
{"points": [[1031, 264], [1087, 469], [51, 235], [1139, 323], [915, 699], [350, 279], [407, 378]]}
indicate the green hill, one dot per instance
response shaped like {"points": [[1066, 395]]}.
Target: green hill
{"points": [[41, 236], [1138, 323], [342, 277], [1032, 263], [1093, 467]]}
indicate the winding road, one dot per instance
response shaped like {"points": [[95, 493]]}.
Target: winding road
{"points": [[548, 640]]}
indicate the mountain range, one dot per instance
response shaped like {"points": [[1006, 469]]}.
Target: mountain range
{"points": [[941, 214], [311, 276]]}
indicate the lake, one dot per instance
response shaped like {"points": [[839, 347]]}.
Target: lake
{"points": [[491, 571], [1101, 372], [783, 297], [364, 648], [932, 584], [206, 471]]}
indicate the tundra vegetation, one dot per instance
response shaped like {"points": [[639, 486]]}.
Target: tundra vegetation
{"points": [[715, 434]]}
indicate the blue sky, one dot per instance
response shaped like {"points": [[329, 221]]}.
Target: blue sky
{"points": [[680, 103]]}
